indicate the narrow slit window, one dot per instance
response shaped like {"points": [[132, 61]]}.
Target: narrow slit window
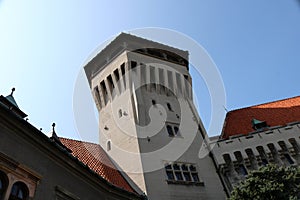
{"points": [[176, 130], [169, 107], [110, 82], [116, 73], [170, 131], [97, 94], [288, 158], [108, 146]]}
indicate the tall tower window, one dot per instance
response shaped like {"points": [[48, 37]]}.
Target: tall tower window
{"points": [[170, 131], [173, 130], [104, 91], [110, 82], [116, 73], [97, 94], [176, 130], [123, 73]]}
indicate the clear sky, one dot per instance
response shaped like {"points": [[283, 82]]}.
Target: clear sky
{"points": [[43, 45]]}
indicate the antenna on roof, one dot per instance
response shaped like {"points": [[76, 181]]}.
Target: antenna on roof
{"points": [[12, 91]]}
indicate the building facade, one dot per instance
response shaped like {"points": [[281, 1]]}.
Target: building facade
{"points": [[255, 136], [148, 123], [34, 166]]}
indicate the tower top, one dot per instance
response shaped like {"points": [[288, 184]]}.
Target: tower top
{"points": [[127, 42]]}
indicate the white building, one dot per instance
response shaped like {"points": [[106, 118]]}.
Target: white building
{"points": [[148, 123]]}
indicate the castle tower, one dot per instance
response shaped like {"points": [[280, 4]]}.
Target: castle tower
{"points": [[148, 123]]}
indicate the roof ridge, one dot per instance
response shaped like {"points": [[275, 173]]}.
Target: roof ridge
{"points": [[280, 100], [79, 140]]}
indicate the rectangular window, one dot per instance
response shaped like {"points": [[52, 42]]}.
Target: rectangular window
{"points": [[123, 73], [182, 173], [170, 83], [116, 73], [104, 91], [97, 95], [172, 129], [187, 176], [178, 176], [110, 82]]}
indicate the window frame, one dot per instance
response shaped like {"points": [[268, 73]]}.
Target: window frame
{"points": [[182, 173]]}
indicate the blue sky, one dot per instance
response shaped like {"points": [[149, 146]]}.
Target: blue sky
{"points": [[43, 45]]}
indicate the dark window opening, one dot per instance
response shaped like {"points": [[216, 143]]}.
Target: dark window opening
{"points": [[170, 175], [123, 69], [123, 73], [187, 176], [108, 145], [176, 130], [227, 158], [238, 156], [169, 107], [168, 167], [116, 73], [178, 176], [282, 145], [97, 94], [153, 102], [184, 168], [110, 82], [295, 145], [19, 191], [176, 167], [243, 170], [195, 177], [192, 168], [182, 173], [262, 154], [3, 184], [186, 77], [133, 64], [288, 158], [104, 91], [170, 131]]}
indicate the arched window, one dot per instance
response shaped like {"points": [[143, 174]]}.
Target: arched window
{"points": [[3, 184], [19, 191]]}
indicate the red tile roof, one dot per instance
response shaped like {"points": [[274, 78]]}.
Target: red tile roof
{"points": [[96, 158], [274, 113]]}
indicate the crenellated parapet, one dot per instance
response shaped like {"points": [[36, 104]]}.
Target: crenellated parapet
{"points": [[238, 155]]}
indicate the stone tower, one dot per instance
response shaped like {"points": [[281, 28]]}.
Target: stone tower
{"points": [[148, 123]]}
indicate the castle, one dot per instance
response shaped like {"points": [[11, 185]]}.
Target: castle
{"points": [[150, 136]]}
